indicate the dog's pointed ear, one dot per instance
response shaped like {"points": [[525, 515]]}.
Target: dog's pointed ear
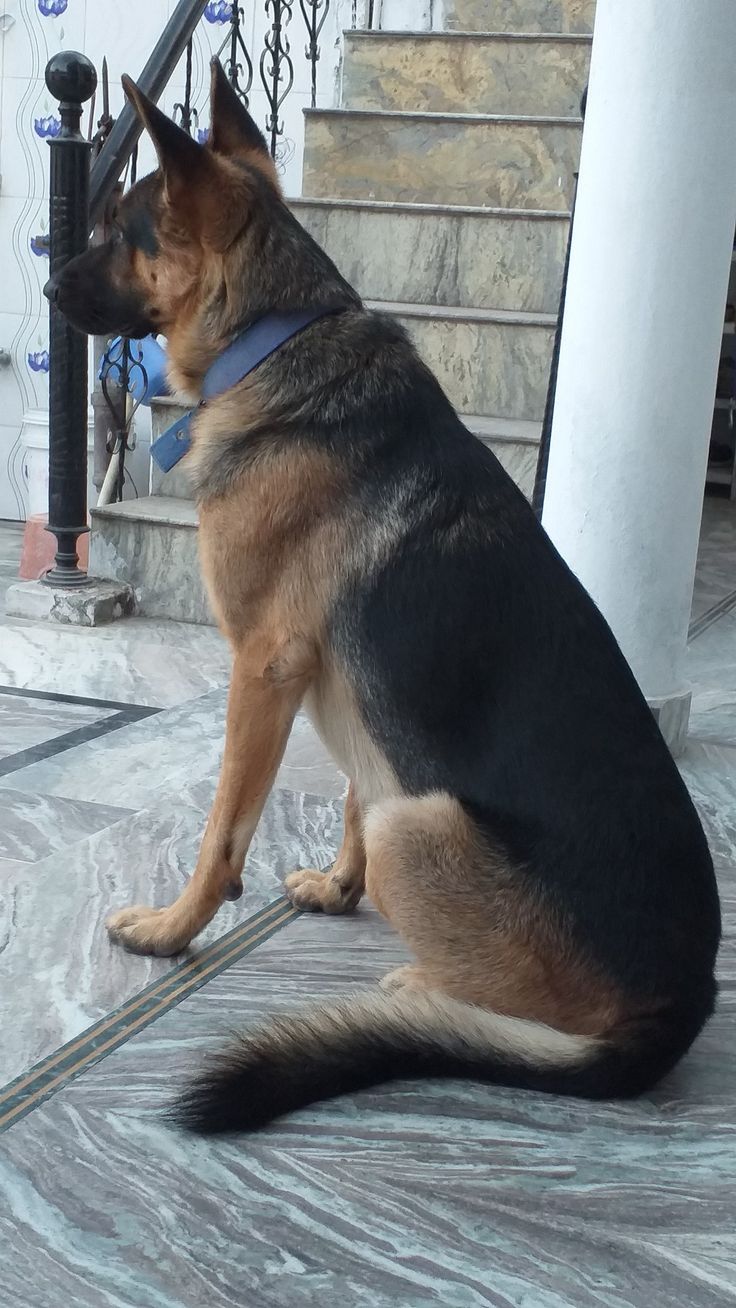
{"points": [[232, 130], [180, 158], [207, 198]]}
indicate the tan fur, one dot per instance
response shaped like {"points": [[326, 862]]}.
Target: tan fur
{"points": [[464, 914], [331, 706]]}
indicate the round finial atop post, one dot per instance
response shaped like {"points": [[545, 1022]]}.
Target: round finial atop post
{"points": [[71, 78]]}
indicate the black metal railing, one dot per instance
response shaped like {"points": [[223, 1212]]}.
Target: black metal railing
{"points": [[79, 204], [238, 64]]}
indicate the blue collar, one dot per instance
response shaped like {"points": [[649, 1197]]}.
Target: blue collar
{"points": [[244, 354]]}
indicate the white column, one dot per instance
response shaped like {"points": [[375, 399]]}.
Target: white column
{"points": [[647, 286]]}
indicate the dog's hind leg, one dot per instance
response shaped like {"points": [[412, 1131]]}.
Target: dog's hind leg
{"points": [[264, 697], [477, 931], [338, 890]]}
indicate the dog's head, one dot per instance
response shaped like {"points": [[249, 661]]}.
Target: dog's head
{"points": [[170, 261]]}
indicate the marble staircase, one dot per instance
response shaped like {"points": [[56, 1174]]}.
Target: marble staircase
{"points": [[441, 187]]}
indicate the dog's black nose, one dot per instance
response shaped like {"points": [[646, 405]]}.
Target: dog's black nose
{"points": [[51, 290]]}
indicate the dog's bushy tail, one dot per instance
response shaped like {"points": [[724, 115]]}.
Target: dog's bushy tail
{"points": [[298, 1060]]}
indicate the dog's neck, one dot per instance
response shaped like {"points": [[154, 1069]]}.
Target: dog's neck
{"points": [[251, 347], [276, 268]]}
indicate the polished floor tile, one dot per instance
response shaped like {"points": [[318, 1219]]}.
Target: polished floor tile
{"points": [[414, 1194], [36, 826], [25, 721], [58, 970], [135, 661], [163, 752]]}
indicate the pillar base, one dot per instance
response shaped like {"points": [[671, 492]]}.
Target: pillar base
{"points": [[90, 605], [673, 715], [39, 548]]}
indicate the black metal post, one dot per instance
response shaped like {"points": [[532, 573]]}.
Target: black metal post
{"points": [[71, 79], [540, 476]]}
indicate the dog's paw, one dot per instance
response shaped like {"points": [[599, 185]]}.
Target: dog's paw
{"points": [[143, 930], [321, 892], [306, 889]]}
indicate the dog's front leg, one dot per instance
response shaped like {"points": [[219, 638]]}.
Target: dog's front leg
{"points": [[264, 697]]}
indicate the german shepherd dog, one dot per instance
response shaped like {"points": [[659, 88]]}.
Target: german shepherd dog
{"points": [[513, 810]]}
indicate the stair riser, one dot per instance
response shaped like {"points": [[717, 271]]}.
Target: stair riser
{"points": [[160, 560], [440, 161], [174, 483], [519, 15], [472, 261], [445, 74], [492, 369]]}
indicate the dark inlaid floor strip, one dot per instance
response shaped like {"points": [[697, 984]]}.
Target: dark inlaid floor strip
{"points": [[142, 710], [55, 1071], [124, 715]]}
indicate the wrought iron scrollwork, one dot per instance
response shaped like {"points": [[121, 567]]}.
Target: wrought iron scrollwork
{"points": [[276, 67], [239, 65], [121, 362], [314, 12]]}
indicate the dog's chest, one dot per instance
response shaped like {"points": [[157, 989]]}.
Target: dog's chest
{"points": [[332, 709]]}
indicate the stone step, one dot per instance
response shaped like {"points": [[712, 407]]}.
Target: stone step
{"points": [[460, 72], [444, 255], [152, 542], [498, 160], [489, 361], [519, 15]]}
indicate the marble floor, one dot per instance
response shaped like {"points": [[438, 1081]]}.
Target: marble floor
{"points": [[414, 1195]]}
